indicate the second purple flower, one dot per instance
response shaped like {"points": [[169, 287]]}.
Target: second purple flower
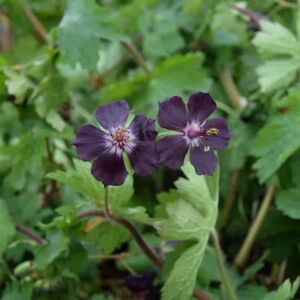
{"points": [[195, 133]]}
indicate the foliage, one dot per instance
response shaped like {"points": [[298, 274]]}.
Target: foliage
{"points": [[60, 60]]}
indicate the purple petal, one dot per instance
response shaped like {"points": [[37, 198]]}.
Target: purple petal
{"points": [[113, 114], [200, 107], [173, 114], [143, 128], [204, 163], [90, 141], [172, 150], [109, 168], [220, 141], [143, 158]]}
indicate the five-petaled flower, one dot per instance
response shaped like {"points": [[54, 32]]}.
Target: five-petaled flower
{"points": [[196, 134], [106, 147]]}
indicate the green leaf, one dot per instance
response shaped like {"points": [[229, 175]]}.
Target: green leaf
{"points": [[17, 85], [26, 156], [273, 151], [162, 44], [7, 228], [107, 237], [48, 97], [17, 291], [182, 279], [160, 31], [280, 49], [286, 291], [119, 196], [178, 75], [288, 201], [46, 254], [84, 23], [275, 39], [82, 181], [226, 29], [192, 217], [136, 214], [277, 73]]}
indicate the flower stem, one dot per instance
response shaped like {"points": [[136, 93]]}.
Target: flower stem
{"points": [[157, 261], [27, 232], [135, 233], [221, 267], [106, 204], [230, 199], [230, 89], [245, 250], [137, 56]]}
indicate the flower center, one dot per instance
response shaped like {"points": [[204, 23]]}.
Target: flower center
{"points": [[200, 132], [120, 137], [195, 135]]}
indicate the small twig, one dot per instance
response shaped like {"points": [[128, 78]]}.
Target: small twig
{"points": [[37, 25], [118, 256], [27, 232], [6, 33], [221, 266], [245, 250], [281, 272], [230, 88], [128, 268], [137, 56], [252, 16]]}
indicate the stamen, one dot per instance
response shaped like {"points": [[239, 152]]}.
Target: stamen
{"points": [[120, 139], [206, 148], [212, 132]]}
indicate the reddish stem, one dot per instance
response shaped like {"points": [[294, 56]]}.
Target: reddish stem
{"points": [[135, 233], [27, 232], [139, 240]]}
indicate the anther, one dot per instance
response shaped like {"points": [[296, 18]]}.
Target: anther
{"points": [[212, 132]]}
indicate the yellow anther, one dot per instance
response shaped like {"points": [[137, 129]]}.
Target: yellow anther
{"points": [[212, 132]]}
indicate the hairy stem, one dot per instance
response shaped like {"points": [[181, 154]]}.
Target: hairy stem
{"points": [[27, 232], [245, 250], [137, 56], [221, 267]]}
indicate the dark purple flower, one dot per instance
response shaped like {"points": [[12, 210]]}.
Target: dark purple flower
{"points": [[105, 148], [140, 283], [197, 134]]}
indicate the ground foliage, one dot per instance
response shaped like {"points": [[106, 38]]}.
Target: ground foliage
{"points": [[60, 60]]}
